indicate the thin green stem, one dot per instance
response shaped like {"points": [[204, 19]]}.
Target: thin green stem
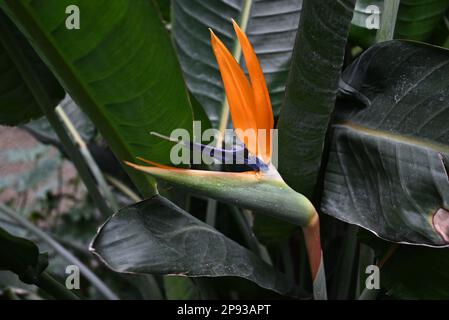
{"points": [[388, 20], [211, 212], [366, 257], [96, 282], [78, 160], [88, 159], [124, 189], [346, 265], [50, 285]]}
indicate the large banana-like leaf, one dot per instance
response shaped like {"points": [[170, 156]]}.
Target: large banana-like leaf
{"points": [[119, 67], [17, 103], [156, 237], [311, 90], [386, 169], [271, 29]]}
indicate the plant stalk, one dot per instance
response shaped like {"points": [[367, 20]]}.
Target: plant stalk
{"points": [[346, 265], [388, 21], [253, 244], [315, 254], [124, 189], [88, 159], [47, 283]]}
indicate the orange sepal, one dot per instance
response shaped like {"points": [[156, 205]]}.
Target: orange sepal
{"points": [[262, 109], [238, 91]]}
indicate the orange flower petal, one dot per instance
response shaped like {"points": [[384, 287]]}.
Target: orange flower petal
{"points": [[238, 91], [262, 110]]}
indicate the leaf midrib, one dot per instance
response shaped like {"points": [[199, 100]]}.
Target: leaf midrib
{"points": [[394, 136]]}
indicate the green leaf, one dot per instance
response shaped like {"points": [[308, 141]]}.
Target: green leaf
{"points": [[119, 67], [17, 103], [164, 9], [411, 272], [180, 288], [156, 237], [22, 257], [311, 90], [271, 30], [418, 19], [271, 231], [199, 114], [386, 171]]}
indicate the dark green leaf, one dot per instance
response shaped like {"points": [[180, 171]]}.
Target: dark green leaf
{"points": [[156, 237], [17, 103], [271, 231], [271, 29], [22, 257], [418, 19], [311, 90], [119, 67], [180, 288], [164, 9], [386, 171]]}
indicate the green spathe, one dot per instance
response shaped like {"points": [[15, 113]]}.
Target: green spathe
{"points": [[266, 193]]}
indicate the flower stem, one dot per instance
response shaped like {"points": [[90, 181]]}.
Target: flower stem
{"points": [[388, 20], [88, 159], [47, 283], [315, 254]]}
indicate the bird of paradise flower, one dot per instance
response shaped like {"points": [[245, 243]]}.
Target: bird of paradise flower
{"points": [[262, 189]]}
